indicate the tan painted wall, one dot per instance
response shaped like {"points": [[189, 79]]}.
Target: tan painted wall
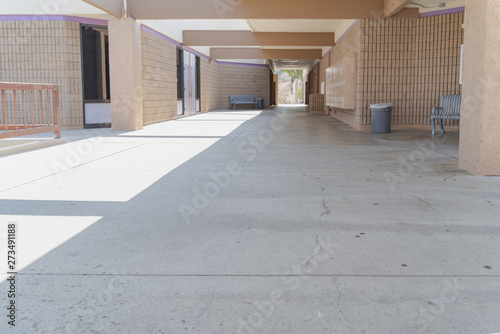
{"points": [[159, 81], [479, 129], [45, 52], [125, 71], [243, 79]]}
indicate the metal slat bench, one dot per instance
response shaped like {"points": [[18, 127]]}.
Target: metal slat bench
{"points": [[449, 109], [241, 99]]}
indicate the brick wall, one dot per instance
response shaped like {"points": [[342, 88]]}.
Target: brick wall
{"points": [[159, 81], [243, 79], [323, 65], [209, 85], [313, 79], [408, 62], [437, 63], [349, 45], [45, 52]]}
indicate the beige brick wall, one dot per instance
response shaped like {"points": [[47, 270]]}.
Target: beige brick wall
{"points": [[45, 52], [387, 67], [243, 79], [313, 79], [437, 63], [349, 45], [408, 62], [209, 85], [159, 81], [323, 65]]}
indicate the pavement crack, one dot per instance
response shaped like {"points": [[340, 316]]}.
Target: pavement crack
{"points": [[428, 205], [341, 311], [326, 208], [317, 250]]}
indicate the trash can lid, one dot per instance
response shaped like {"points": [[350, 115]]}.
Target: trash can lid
{"points": [[381, 105]]}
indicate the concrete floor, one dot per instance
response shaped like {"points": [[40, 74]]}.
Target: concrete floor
{"points": [[251, 222]]}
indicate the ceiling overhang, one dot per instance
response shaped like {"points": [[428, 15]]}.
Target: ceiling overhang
{"points": [[256, 53], [260, 9], [248, 38], [112, 7]]}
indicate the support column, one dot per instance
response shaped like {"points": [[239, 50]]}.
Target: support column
{"points": [[125, 62], [480, 111]]}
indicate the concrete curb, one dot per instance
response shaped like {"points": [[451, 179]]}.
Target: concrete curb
{"points": [[31, 146]]}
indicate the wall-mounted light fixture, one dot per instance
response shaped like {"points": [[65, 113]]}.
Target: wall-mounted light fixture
{"points": [[436, 6]]}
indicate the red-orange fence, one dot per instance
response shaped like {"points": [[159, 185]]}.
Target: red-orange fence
{"points": [[29, 109]]}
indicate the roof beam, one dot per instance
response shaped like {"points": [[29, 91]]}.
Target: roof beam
{"points": [[248, 38], [392, 7], [255, 53], [407, 13], [255, 9]]}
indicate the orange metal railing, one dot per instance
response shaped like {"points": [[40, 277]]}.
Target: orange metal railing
{"points": [[29, 109]]}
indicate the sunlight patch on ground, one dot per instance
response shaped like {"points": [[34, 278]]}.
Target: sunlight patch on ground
{"points": [[38, 235]]}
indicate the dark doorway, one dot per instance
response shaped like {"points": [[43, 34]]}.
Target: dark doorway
{"points": [[95, 77]]}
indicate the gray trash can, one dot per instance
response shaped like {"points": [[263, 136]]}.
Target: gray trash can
{"points": [[260, 103], [381, 117]]}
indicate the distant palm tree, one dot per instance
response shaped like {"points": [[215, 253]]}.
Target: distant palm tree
{"points": [[294, 75]]}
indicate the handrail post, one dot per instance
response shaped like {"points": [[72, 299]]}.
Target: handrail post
{"points": [[24, 109], [41, 107], [15, 108], [4, 110], [56, 114]]}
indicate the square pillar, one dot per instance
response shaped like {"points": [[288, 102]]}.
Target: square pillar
{"points": [[125, 62], [480, 111]]}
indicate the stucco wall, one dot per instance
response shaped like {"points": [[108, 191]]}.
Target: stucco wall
{"points": [[479, 131]]}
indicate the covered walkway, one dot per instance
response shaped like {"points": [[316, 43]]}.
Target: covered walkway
{"points": [[273, 221]]}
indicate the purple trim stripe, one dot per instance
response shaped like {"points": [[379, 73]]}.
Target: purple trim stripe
{"points": [[199, 54], [159, 34], [343, 35], [444, 12], [68, 18], [171, 40]]}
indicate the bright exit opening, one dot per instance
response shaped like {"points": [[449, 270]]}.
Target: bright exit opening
{"points": [[291, 88]]}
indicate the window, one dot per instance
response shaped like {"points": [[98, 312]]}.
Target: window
{"points": [[180, 74], [95, 63]]}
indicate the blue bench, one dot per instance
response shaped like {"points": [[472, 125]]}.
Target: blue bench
{"points": [[449, 109], [241, 99]]}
